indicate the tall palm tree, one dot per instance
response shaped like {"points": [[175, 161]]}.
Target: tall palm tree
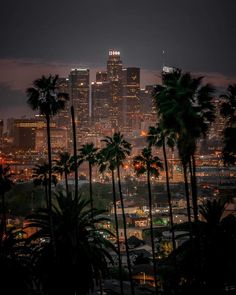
{"points": [[118, 149], [185, 106], [146, 163], [63, 166], [228, 108], [88, 153], [82, 251], [75, 163], [45, 98], [5, 185], [160, 138], [106, 163]]}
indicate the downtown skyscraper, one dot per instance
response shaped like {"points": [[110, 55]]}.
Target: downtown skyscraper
{"points": [[79, 90], [114, 74]]}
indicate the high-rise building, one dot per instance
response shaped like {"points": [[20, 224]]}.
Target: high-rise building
{"points": [[100, 101], [24, 132], [130, 107], [114, 73], [149, 113], [101, 76], [79, 93], [63, 117]]}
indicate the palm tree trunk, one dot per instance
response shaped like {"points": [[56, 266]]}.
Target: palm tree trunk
{"points": [[46, 193], [90, 187], [169, 196], [117, 232], [194, 189], [187, 192], [74, 149], [151, 231], [50, 186], [3, 225], [125, 228], [66, 181]]}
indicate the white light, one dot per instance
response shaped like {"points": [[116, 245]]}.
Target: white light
{"points": [[114, 53]]}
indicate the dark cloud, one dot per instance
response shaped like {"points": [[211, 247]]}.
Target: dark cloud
{"points": [[197, 35], [41, 37]]}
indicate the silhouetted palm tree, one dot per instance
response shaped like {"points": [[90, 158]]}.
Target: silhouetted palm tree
{"points": [[82, 251], [88, 153], [5, 185], [146, 163], [63, 166], [214, 270], [41, 177], [45, 98], [108, 163], [185, 106], [228, 108], [16, 271], [118, 149], [75, 163], [160, 138]]}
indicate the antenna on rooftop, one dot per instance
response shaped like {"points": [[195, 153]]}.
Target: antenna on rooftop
{"points": [[163, 58]]}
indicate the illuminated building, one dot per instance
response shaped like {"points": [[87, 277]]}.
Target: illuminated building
{"points": [[79, 93], [114, 74], [101, 76], [63, 117], [130, 99], [100, 101], [59, 140], [148, 109], [24, 132]]}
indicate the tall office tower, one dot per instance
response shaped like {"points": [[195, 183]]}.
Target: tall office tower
{"points": [[100, 101], [79, 93], [131, 99], [148, 108], [63, 117], [114, 73]]}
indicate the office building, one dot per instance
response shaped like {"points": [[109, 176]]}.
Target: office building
{"points": [[114, 74], [130, 107]]}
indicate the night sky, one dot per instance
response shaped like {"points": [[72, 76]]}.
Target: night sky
{"points": [[42, 37]]}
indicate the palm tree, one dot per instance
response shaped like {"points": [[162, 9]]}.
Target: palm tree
{"points": [[63, 165], [82, 251], [88, 153], [106, 163], [214, 269], [118, 148], [41, 177], [147, 164], [75, 164], [185, 106], [43, 96], [159, 138], [228, 108], [15, 262], [5, 185]]}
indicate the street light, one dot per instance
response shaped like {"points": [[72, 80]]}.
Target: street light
{"points": [[144, 277]]}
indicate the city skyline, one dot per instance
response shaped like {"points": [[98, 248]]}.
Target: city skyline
{"points": [[195, 36]]}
